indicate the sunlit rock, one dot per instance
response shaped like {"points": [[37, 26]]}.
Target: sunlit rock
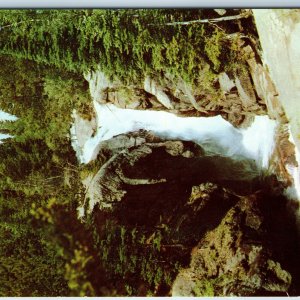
{"points": [[245, 90], [152, 87], [226, 83]]}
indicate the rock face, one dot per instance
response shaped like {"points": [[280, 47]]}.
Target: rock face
{"points": [[235, 258], [233, 96], [150, 86], [279, 37], [265, 89], [81, 130], [226, 84], [143, 160], [279, 33]]}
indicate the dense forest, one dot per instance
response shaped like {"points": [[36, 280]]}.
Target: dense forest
{"points": [[45, 249]]}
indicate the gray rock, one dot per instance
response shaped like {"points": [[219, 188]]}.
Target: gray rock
{"points": [[245, 90], [226, 83], [153, 88], [265, 89], [98, 83], [83, 128]]}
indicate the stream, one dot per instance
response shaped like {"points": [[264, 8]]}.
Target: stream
{"points": [[214, 134]]}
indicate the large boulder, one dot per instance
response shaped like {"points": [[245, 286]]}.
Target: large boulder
{"points": [[140, 163]]}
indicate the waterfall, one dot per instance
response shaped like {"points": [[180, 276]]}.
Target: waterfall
{"points": [[214, 134], [293, 192]]}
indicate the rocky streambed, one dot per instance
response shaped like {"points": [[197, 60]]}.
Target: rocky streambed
{"points": [[214, 194]]}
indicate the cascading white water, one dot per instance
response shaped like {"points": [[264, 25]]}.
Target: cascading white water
{"points": [[293, 192], [214, 134], [258, 139]]}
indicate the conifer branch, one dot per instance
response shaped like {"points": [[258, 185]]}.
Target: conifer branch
{"points": [[214, 20]]}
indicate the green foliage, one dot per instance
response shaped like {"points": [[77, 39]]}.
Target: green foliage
{"points": [[204, 288], [43, 99], [76, 273], [127, 44], [33, 251], [213, 48], [129, 290], [31, 264], [130, 255]]}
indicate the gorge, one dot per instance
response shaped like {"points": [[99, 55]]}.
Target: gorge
{"points": [[239, 161], [145, 162]]}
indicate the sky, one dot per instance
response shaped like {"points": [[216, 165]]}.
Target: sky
{"points": [[5, 117]]}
